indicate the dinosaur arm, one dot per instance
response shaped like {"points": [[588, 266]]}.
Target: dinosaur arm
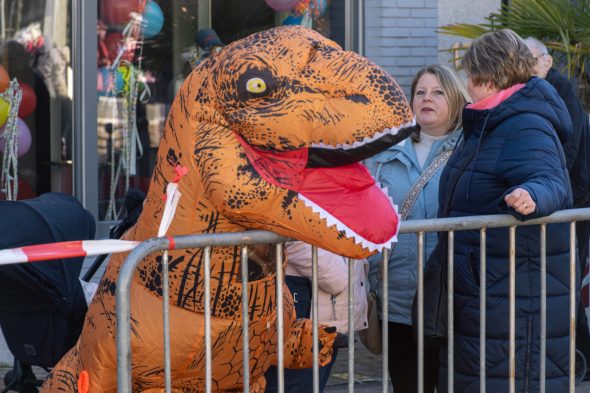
{"points": [[299, 345]]}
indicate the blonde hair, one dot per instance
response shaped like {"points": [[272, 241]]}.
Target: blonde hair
{"points": [[500, 57], [454, 92]]}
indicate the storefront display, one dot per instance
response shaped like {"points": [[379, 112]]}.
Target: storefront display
{"points": [[35, 110], [144, 51], [141, 69]]}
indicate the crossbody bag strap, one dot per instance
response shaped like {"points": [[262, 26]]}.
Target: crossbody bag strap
{"points": [[412, 196]]}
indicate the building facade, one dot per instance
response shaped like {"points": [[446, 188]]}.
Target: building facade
{"points": [[102, 88]]}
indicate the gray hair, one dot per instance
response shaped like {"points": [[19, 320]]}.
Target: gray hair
{"points": [[534, 43]]}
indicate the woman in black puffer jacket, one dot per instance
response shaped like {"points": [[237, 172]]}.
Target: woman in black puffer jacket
{"points": [[510, 161]]}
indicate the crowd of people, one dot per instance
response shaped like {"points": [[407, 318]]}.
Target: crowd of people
{"points": [[516, 140]]}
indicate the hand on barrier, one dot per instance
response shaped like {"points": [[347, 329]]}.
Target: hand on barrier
{"points": [[521, 201]]}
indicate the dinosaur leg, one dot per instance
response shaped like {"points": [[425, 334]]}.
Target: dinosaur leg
{"points": [[64, 376], [95, 363], [94, 355]]}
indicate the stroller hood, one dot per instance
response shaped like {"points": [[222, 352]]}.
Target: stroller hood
{"points": [[52, 217]]}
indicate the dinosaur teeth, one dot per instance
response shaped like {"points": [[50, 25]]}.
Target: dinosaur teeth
{"points": [[349, 146], [333, 221]]}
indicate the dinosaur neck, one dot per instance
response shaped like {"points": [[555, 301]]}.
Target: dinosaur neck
{"points": [[197, 214], [194, 213]]}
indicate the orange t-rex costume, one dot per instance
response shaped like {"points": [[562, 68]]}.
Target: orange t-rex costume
{"points": [[271, 130]]}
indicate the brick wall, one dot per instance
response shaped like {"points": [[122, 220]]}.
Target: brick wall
{"points": [[400, 35]]}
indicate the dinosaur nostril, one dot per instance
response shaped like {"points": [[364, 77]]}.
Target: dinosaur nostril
{"points": [[360, 98]]}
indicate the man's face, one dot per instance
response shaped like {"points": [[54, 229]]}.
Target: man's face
{"points": [[543, 62]]}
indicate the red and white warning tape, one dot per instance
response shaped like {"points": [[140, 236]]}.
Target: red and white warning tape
{"points": [[83, 248], [71, 249]]}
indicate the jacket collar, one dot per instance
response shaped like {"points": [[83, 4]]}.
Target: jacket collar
{"points": [[405, 147]]}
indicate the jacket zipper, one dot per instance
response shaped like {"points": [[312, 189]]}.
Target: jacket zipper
{"points": [[333, 300], [527, 364]]}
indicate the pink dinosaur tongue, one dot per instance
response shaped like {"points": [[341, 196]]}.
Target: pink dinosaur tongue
{"points": [[346, 196]]}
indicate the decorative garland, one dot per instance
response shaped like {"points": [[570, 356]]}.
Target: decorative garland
{"points": [[9, 176], [131, 143]]}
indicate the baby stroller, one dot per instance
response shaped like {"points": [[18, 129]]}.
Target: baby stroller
{"points": [[43, 306]]}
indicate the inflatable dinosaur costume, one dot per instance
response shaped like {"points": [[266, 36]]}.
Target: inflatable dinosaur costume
{"points": [[269, 132]]}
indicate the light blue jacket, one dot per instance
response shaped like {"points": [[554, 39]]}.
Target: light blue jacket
{"points": [[397, 169]]}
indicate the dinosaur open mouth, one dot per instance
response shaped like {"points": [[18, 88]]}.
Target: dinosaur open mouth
{"points": [[324, 155], [345, 196]]}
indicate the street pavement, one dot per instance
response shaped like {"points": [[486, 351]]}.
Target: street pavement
{"points": [[367, 373]]}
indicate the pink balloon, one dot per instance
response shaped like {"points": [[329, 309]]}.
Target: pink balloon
{"points": [[24, 138], [282, 5]]}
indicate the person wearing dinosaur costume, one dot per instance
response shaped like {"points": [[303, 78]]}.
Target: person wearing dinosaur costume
{"points": [[270, 132]]}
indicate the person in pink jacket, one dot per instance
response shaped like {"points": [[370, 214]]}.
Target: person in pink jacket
{"points": [[332, 304]]}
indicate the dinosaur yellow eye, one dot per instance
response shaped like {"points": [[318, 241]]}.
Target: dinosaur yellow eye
{"points": [[256, 85]]}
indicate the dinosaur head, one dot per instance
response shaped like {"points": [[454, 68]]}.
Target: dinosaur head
{"points": [[302, 114]]}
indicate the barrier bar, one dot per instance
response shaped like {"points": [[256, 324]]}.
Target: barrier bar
{"points": [[450, 312], [166, 311], [384, 323], [314, 318], [351, 277], [245, 319], [482, 310], [207, 260], [420, 299], [491, 221], [573, 306], [512, 309], [280, 323], [543, 349], [126, 273]]}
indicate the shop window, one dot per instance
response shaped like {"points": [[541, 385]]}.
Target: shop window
{"points": [[35, 51], [141, 68]]}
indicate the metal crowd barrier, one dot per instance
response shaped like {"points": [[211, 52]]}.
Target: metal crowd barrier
{"points": [[419, 227]]}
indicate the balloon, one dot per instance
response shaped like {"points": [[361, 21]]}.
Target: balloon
{"points": [[120, 74], [29, 101], [104, 79], [4, 79], [153, 19], [100, 80], [4, 111], [24, 138], [292, 20], [116, 12], [319, 7], [282, 5]]}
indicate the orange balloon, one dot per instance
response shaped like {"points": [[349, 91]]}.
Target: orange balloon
{"points": [[29, 101], [4, 79]]}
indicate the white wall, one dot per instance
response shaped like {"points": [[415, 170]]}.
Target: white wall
{"points": [[461, 11], [401, 35]]}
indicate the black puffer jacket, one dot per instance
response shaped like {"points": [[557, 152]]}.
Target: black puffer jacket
{"points": [[515, 144]]}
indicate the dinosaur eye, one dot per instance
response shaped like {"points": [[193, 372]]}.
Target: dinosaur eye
{"points": [[256, 85]]}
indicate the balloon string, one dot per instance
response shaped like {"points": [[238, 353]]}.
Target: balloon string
{"points": [[131, 142]]}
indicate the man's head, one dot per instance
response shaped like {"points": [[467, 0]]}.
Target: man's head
{"points": [[543, 60]]}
